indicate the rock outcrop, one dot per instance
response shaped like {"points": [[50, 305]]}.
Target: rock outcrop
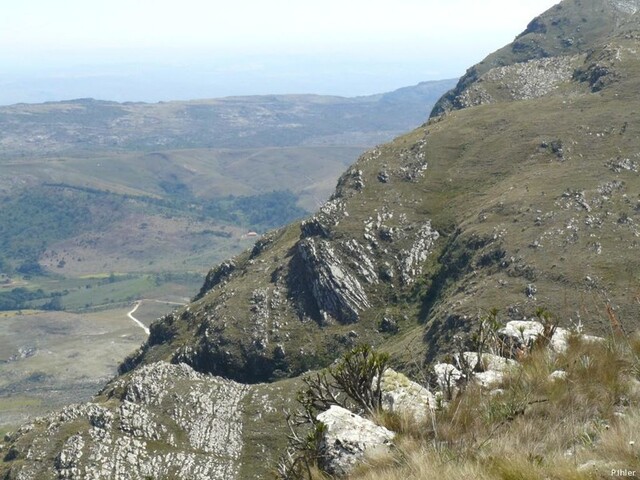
{"points": [[347, 439], [162, 421], [336, 291]]}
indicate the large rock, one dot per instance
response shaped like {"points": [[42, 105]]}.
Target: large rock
{"points": [[488, 361], [491, 368], [347, 439], [405, 397]]}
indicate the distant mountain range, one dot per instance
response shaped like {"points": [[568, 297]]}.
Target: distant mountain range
{"points": [[233, 122]]}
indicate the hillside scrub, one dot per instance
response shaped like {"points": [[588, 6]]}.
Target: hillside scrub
{"points": [[354, 382], [537, 424], [571, 413]]}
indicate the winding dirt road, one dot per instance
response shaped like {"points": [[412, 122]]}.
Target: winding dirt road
{"points": [[135, 320], [138, 303]]}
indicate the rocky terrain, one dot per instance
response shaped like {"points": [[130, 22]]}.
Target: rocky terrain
{"points": [[520, 192]]}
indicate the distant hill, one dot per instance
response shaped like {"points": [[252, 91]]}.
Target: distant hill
{"points": [[233, 122], [186, 159]]}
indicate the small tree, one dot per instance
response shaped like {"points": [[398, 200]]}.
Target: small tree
{"points": [[359, 376], [354, 383]]}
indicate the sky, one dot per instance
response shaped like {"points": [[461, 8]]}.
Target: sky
{"points": [[151, 50]]}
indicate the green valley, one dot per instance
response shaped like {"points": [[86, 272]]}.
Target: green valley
{"points": [[105, 204]]}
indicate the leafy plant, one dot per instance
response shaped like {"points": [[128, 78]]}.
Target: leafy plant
{"points": [[353, 383]]}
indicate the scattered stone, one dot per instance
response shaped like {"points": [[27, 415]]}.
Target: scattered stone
{"points": [[530, 290], [388, 325]]}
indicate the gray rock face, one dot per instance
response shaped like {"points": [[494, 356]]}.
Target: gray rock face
{"points": [[413, 258], [629, 7], [337, 292], [348, 438], [522, 81], [217, 276], [322, 222], [171, 422]]}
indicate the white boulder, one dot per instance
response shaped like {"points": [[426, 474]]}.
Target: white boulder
{"points": [[347, 439], [521, 332], [448, 377]]}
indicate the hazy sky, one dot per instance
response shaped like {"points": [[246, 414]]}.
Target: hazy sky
{"points": [[147, 49]]}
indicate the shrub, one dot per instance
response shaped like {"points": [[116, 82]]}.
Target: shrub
{"points": [[353, 383]]}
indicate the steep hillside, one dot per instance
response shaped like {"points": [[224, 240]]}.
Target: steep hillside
{"points": [[91, 187], [524, 194], [528, 199]]}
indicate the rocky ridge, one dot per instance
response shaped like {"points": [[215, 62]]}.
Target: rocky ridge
{"points": [[169, 421]]}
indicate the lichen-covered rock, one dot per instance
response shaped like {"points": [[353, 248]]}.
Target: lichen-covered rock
{"points": [[347, 439], [405, 397]]}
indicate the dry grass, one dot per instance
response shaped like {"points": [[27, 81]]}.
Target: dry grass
{"points": [[534, 427]]}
